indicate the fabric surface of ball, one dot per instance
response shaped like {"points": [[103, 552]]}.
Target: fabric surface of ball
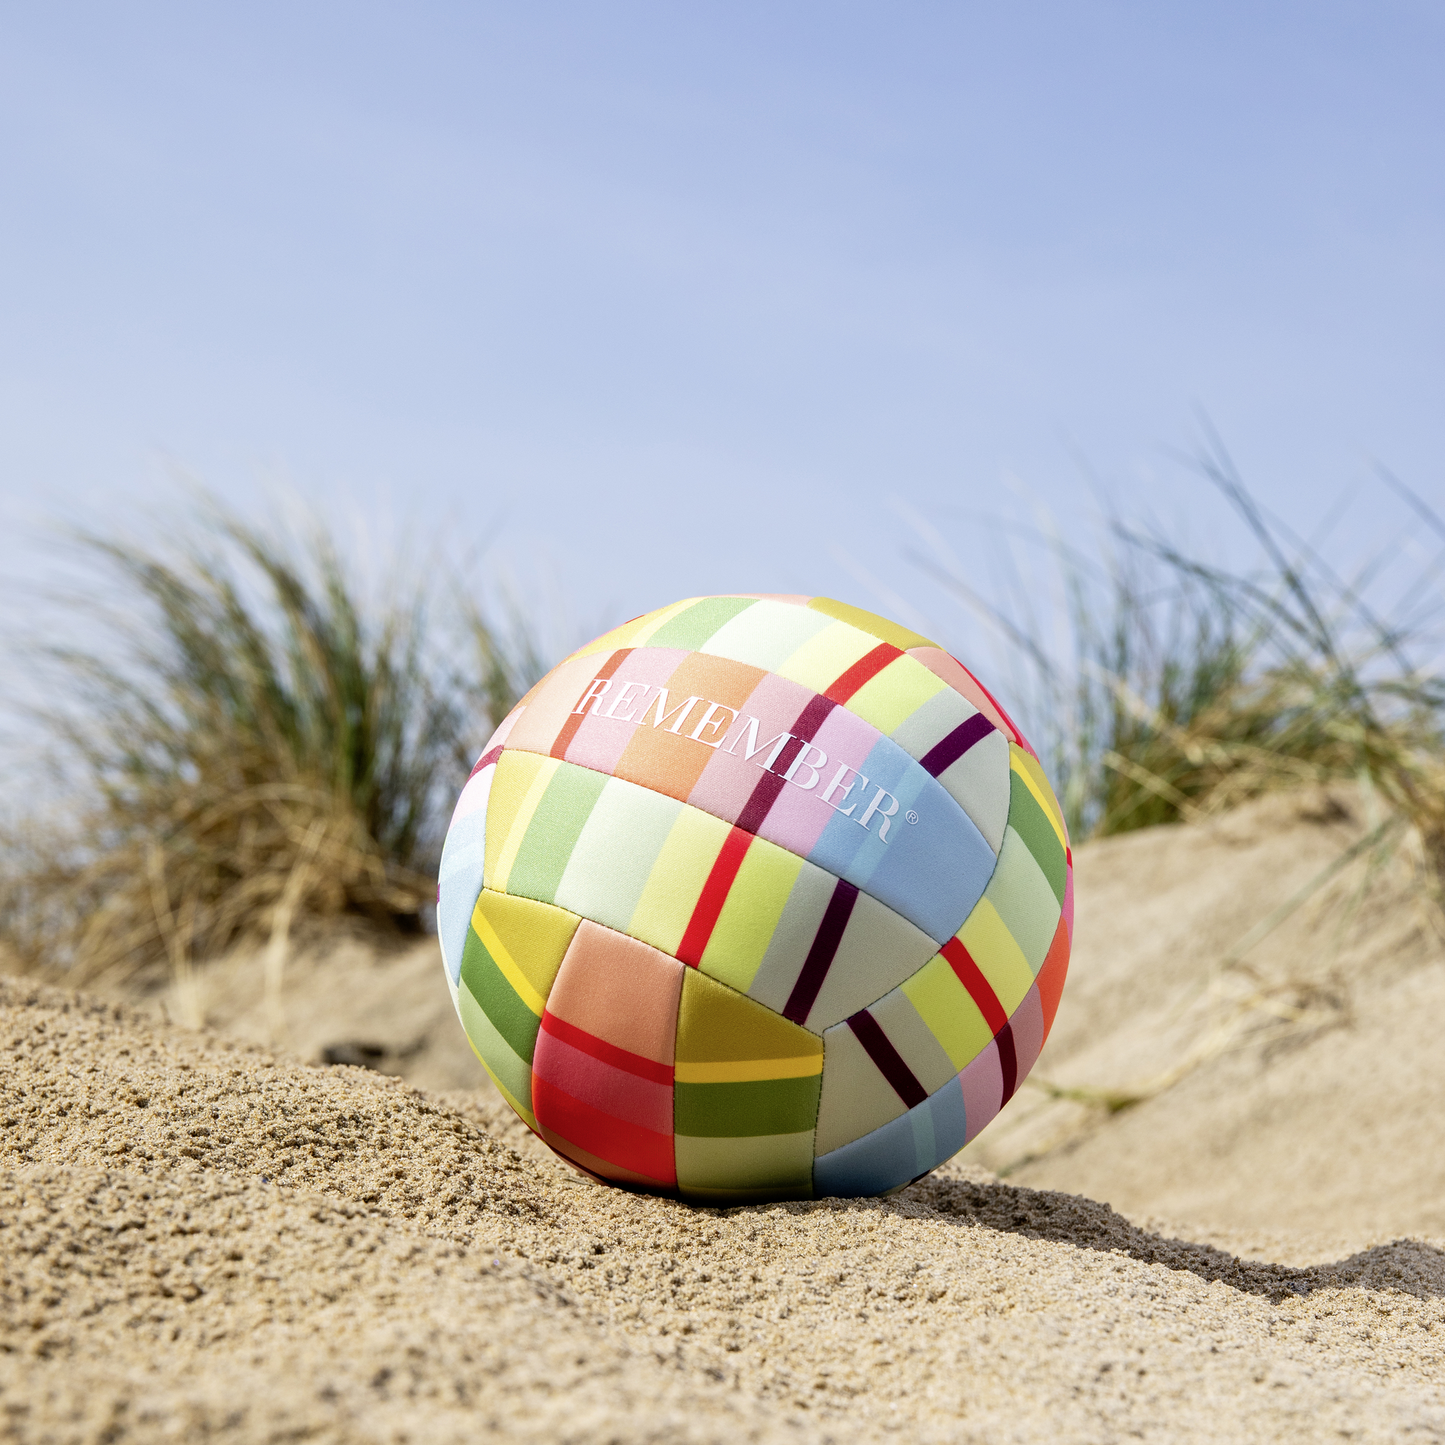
{"points": [[757, 897]]}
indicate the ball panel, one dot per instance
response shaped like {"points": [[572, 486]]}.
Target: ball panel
{"points": [[877, 950], [794, 936], [767, 635], [983, 1085], [977, 779], [1069, 896], [1050, 982], [540, 847], [463, 865], [676, 900], [951, 1009], [511, 1074], [623, 993], [616, 849], [693, 625], [857, 1097], [870, 622], [746, 1096], [746, 1170], [517, 788], [943, 729], [1025, 904], [932, 872], [994, 956], [511, 1008], [749, 923], [827, 656], [734, 783], [526, 940], [633, 633], [595, 739], [1026, 1024], [603, 1072], [895, 1153], [702, 696], [580, 1119], [724, 1036], [914, 1042], [963, 682], [887, 691], [1040, 835], [513, 950]]}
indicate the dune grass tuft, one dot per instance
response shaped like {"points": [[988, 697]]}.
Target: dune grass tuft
{"points": [[1184, 688], [250, 746]]}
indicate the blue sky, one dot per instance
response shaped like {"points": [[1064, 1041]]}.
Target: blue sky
{"points": [[643, 300]]}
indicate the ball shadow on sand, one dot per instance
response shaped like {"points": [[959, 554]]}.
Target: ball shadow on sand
{"points": [[1408, 1265]]}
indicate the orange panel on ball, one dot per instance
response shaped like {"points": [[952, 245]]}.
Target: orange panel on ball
{"points": [[602, 1071]]}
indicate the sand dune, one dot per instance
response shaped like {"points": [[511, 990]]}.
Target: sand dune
{"points": [[1316, 1107], [201, 1237]]}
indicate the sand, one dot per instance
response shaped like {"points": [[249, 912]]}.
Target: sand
{"points": [[1323, 1117], [205, 1237]]}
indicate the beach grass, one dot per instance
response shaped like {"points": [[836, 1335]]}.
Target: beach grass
{"points": [[1178, 688], [251, 742]]}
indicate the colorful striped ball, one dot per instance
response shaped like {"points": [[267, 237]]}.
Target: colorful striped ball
{"points": [[757, 897]]}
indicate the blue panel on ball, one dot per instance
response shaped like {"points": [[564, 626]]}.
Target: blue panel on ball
{"points": [[459, 880], [898, 1151], [932, 871]]}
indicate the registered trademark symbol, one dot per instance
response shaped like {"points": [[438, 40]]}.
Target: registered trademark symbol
{"points": [[910, 816]]}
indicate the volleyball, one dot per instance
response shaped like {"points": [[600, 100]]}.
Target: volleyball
{"points": [[757, 897]]}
